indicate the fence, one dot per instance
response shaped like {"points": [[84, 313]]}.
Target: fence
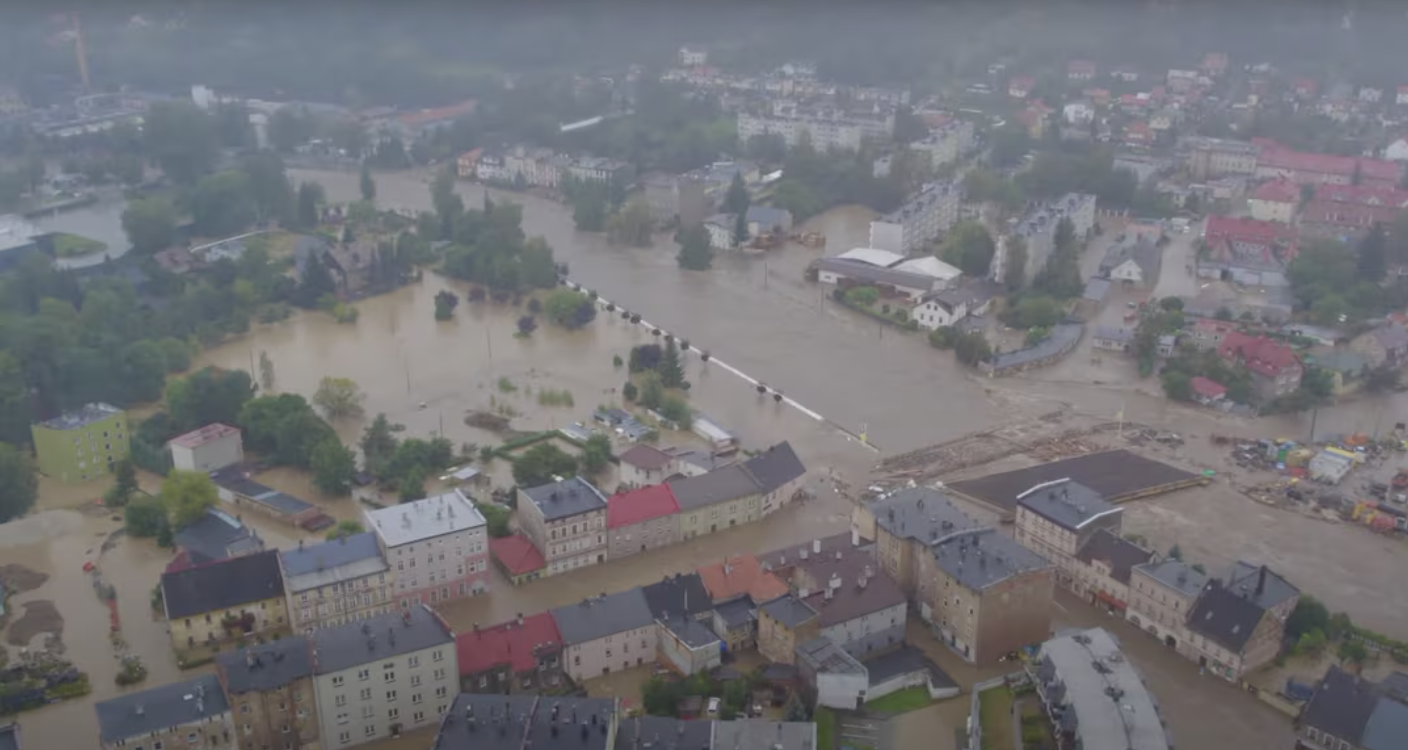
{"points": [[1064, 338]]}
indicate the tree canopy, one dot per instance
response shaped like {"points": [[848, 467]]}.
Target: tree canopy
{"points": [[539, 464]]}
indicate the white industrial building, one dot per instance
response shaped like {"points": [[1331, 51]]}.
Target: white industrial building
{"points": [[889, 271], [921, 220], [210, 448]]}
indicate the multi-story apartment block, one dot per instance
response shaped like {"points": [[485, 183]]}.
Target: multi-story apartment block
{"points": [[83, 444], [336, 582], [825, 129], [921, 220], [566, 521], [438, 545], [1057, 519], [1103, 568], [1161, 595], [1207, 158], [518, 656], [1038, 230], [945, 144], [606, 633], [676, 199], [384, 676], [492, 166], [225, 601], [188, 714], [1094, 696], [515, 722], [641, 519], [602, 170], [270, 690], [981, 593], [720, 499]]}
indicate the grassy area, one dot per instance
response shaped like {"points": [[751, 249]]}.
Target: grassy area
{"points": [[825, 728], [995, 715], [72, 246], [901, 701], [1036, 728]]}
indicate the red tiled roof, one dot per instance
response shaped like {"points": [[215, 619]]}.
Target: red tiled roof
{"points": [[637, 506], [1369, 195], [1347, 215], [1278, 191], [506, 643], [425, 116], [738, 575], [1244, 230], [1261, 355], [1022, 82], [1275, 156], [1208, 388], [517, 554]]}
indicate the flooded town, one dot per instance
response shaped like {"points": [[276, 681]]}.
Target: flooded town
{"points": [[694, 400]]}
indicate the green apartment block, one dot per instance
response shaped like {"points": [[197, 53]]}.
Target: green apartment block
{"points": [[83, 444]]}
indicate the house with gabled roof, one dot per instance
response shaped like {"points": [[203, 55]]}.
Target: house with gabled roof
{"points": [[225, 601], [1348, 710], [1274, 367], [641, 519]]}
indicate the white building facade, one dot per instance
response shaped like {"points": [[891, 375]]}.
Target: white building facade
{"points": [[921, 220], [438, 547]]}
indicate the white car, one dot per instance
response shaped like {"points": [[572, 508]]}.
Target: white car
{"points": [[714, 706]]}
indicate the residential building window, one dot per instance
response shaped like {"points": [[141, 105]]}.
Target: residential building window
{"points": [[370, 731], [440, 692], [390, 695], [437, 655], [366, 694], [340, 700], [415, 697], [390, 677], [367, 712], [439, 674], [337, 682], [413, 661], [344, 737], [418, 716], [342, 718], [364, 674], [415, 680], [393, 714]]}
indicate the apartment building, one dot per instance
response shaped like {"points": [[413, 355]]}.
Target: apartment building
{"points": [[641, 519], [384, 676], [945, 144], [270, 691], [922, 219], [83, 444], [675, 199], [1161, 596], [225, 601], [1239, 621], [207, 449], [1076, 677], [517, 722], [981, 593], [518, 656], [1056, 519], [438, 545], [566, 521], [190, 714], [336, 582], [720, 499], [600, 169], [606, 633], [1207, 158], [1037, 229], [825, 129], [1103, 568]]}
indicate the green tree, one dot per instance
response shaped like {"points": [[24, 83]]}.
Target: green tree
{"points": [[150, 225], [652, 390], [740, 229], [737, 199], [1033, 311], [1177, 385], [368, 185], [446, 201], [412, 485], [1372, 262], [289, 127], [121, 492], [496, 518], [378, 445], [445, 303], [696, 254], [181, 139], [19, 484], [969, 247], [269, 187], [538, 268], [1015, 266], [569, 309], [333, 466], [186, 496], [677, 410], [207, 396], [266, 371], [339, 397], [1353, 652], [284, 428], [539, 464], [223, 204], [310, 196], [670, 369], [1309, 614], [345, 528], [144, 517], [1175, 553], [596, 454], [631, 226], [972, 348], [589, 209]]}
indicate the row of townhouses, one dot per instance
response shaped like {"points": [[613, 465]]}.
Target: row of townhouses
{"points": [[570, 524], [1231, 625], [542, 167], [231, 589], [362, 682]]}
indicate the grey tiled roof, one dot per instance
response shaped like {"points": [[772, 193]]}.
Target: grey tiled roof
{"points": [[1388, 726], [691, 632], [514, 722], [775, 467], [737, 613], [267, 666], [643, 732], [330, 554], [1067, 504], [591, 619], [984, 557], [173, 704], [1223, 616], [1341, 706], [823, 655], [374, 639], [920, 513], [682, 593], [1261, 584], [1088, 665], [762, 734], [570, 497], [789, 610], [1120, 553], [1175, 574], [225, 584], [720, 485], [215, 536]]}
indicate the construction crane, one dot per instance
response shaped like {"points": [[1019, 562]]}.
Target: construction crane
{"points": [[80, 51]]}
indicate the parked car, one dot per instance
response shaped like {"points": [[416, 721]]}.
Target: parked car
{"points": [[714, 706]]}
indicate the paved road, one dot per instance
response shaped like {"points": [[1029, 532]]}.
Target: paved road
{"points": [[1178, 257]]}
